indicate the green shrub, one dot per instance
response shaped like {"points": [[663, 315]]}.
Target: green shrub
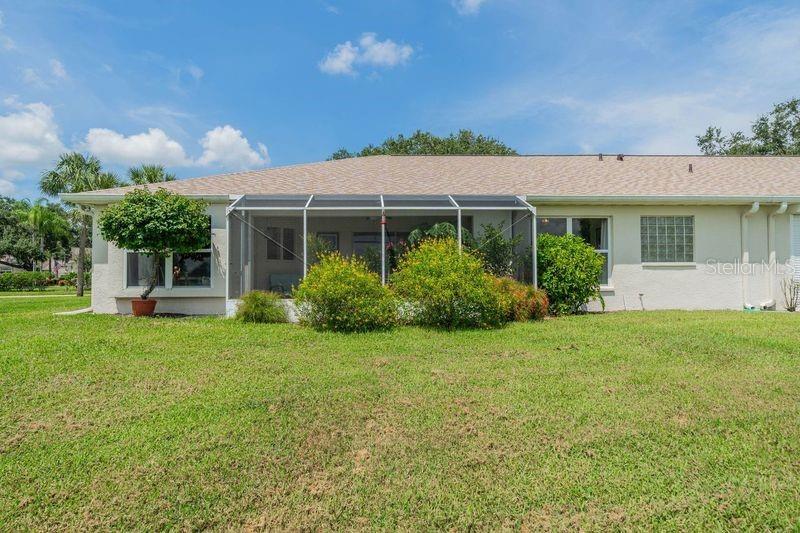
{"points": [[447, 289], [569, 272], [497, 250], [25, 281], [522, 301], [70, 279], [341, 294], [262, 308]]}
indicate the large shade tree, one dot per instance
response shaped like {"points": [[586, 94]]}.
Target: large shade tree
{"points": [[73, 173], [777, 133], [465, 142], [19, 247], [156, 224]]}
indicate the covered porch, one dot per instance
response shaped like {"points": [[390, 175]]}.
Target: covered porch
{"points": [[274, 240]]}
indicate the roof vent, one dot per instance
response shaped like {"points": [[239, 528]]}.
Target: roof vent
{"points": [[620, 157], [599, 157], [690, 168]]}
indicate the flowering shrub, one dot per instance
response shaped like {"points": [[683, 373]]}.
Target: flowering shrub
{"points": [[447, 289], [522, 301], [261, 307], [341, 294], [569, 272]]}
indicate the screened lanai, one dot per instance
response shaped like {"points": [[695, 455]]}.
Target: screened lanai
{"points": [[273, 240]]}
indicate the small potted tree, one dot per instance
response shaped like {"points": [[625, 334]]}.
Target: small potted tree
{"points": [[155, 224]]}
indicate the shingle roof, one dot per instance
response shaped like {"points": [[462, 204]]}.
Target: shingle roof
{"points": [[543, 176]]}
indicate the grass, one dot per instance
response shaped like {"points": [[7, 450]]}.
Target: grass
{"points": [[669, 420]]}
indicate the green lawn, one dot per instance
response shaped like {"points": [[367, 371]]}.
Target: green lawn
{"points": [[655, 420]]}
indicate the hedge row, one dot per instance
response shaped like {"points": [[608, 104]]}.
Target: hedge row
{"points": [[25, 281]]}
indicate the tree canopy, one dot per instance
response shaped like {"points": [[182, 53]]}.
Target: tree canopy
{"points": [[777, 133], [145, 174], [156, 224], [465, 142], [32, 233]]}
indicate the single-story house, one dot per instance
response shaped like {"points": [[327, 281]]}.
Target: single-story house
{"points": [[677, 232]]}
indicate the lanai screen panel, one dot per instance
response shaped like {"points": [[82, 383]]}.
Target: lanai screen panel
{"points": [[417, 202], [289, 202], [489, 202], [343, 201]]}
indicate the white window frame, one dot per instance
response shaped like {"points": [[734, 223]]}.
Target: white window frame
{"points": [[668, 264], [609, 219]]}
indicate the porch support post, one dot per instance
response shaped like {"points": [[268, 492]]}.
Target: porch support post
{"points": [[383, 241], [459, 231], [534, 266], [305, 242], [383, 247]]}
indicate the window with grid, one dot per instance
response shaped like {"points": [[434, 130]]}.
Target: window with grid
{"points": [[667, 239], [592, 230]]}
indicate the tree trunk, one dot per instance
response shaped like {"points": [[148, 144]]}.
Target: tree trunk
{"points": [[153, 276], [81, 256]]}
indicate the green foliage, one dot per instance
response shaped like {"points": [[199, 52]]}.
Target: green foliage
{"points": [[261, 307], [341, 294], [440, 230], [144, 174], [465, 142], [25, 281], [498, 251], [523, 302], [74, 173], [569, 272], [156, 224], [33, 233], [447, 289], [775, 134], [70, 279]]}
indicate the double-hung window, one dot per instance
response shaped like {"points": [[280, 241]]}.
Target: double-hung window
{"points": [[280, 244], [667, 239], [593, 230]]}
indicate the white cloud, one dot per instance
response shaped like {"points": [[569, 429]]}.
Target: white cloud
{"points": [[223, 147], [195, 71], [32, 78], [28, 135], [340, 60], [369, 52], [58, 70], [226, 147], [154, 146], [468, 7]]}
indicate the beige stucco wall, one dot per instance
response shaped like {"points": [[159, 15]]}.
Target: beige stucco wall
{"points": [[632, 285], [715, 280], [110, 295]]}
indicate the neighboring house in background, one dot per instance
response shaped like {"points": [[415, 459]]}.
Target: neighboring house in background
{"points": [[685, 232], [57, 266]]}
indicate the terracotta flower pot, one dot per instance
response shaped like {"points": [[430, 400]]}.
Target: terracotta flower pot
{"points": [[143, 307]]}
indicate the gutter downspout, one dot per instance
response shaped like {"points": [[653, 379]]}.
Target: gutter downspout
{"points": [[746, 253], [770, 303]]}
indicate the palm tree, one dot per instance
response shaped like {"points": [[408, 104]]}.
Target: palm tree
{"points": [[46, 224], [73, 173], [145, 174]]}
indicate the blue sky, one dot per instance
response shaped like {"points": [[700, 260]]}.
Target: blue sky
{"points": [[208, 86]]}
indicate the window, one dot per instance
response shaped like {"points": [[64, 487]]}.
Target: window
{"points": [[667, 239], [592, 230], [280, 244], [140, 268], [363, 241], [191, 270], [330, 239]]}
